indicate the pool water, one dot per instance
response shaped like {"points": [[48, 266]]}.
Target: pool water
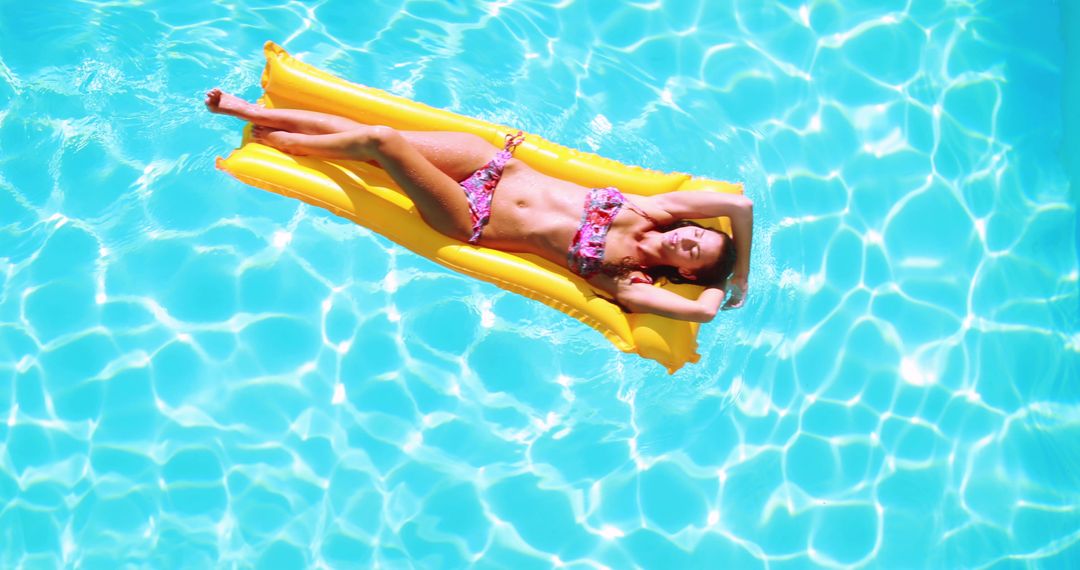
{"points": [[198, 374]]}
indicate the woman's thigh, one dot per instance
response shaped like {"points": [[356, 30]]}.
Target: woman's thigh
{"points": [[458, 155], [426, 165], [437, 195]]}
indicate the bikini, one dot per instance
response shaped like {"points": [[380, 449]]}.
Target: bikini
{"points": [[586, 254], [480, 187]]}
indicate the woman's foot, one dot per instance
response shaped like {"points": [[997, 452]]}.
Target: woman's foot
{"points": [[277, 138], [222, 103]]}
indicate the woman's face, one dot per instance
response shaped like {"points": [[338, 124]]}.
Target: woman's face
{"points": [[691, 248]]}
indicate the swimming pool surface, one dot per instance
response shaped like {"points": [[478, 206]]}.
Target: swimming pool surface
{"points": [[198, 374]]}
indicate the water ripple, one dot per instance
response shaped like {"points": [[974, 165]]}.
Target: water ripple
{"points": [[196, 374]]}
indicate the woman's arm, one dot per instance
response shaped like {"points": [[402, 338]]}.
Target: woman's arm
{"points": [[736, 207], [696, 205], [645, 298]]}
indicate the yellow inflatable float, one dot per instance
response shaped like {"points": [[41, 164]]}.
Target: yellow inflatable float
{"points": [[366, 195]]}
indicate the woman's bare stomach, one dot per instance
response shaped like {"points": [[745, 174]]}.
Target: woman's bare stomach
{"points": [[534, 213]]}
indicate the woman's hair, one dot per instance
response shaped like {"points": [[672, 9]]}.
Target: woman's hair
{"points": [[715, 275]]}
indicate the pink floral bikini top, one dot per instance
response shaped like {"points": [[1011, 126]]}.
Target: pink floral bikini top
{"points": [[586, 255]]}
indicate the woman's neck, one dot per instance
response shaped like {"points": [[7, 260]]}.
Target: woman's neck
{"points": [[649, 249]]}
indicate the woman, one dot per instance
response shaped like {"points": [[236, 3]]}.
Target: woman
{"points": [[619, 246]]}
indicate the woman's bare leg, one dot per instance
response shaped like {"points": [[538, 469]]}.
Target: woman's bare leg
{"points": [[456, 154], [438, 197], [292, 120]]}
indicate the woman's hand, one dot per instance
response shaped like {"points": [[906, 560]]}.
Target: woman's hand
{"points": [[739, 286]]}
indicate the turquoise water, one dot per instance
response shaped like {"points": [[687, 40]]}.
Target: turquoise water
{"points": [[197, 374]]}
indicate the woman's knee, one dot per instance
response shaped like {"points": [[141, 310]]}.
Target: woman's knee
{"points": [[373, 141], [384, 139]]}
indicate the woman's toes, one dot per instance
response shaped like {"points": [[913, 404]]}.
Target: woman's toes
{"points": [[213, 100], [219, 101]]}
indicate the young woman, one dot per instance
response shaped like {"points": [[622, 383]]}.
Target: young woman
{"points": [[619, 245]]}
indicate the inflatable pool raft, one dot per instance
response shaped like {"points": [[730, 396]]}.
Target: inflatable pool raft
{"points": [[365, 195]]}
